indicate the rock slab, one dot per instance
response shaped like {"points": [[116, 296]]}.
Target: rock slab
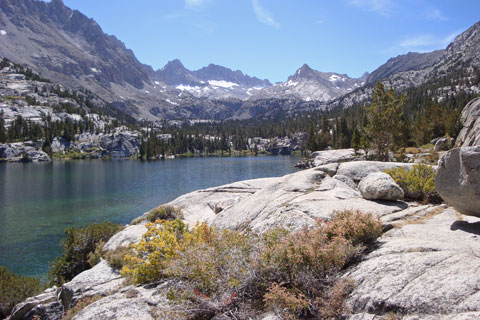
{"points": [[458, 179]]}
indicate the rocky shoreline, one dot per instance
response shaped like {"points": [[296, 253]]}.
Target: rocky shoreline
{"points": [[423, 267]]}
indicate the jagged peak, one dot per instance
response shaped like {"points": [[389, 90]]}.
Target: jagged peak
{"points": [[305, 67], [174, 64], [57, 3]]}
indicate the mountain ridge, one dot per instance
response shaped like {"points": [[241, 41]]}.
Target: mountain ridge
{"points": [[68, 47]]}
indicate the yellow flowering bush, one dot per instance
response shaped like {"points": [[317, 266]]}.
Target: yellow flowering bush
{"points": [[160, 244], [216, 271]]}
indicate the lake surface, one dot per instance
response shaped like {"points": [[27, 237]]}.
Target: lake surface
{"points": [[39, 200]]}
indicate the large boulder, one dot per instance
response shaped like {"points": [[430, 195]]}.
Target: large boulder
{"points": [[470, 133], [380, 186], [458, 179], [360, 169]]}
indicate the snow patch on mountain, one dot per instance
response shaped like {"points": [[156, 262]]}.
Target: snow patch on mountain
{"points": [[222, 83]]}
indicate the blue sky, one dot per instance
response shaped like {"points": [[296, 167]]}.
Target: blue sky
{"points": [[273, 38]]}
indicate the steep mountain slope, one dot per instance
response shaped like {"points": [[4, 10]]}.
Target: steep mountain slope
{"points": [[308, 84], [406, 62], [65, 44]]}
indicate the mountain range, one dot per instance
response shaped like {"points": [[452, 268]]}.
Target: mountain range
{"points": [[67, 47]]}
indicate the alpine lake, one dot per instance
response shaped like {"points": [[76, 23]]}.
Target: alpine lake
{"points": [[39, 200]]}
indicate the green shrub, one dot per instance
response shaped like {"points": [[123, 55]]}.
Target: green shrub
{"points": [[116, 257], [220, 271], [164, 212], [79, 247], [418, 183], [14, 289]]}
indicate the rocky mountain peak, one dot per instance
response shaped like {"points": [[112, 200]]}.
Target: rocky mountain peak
{"points": [[174, 64], [216, 72], [174, 73], [364, 76], [304, 73]]}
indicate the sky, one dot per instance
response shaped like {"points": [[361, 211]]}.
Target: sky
{"points": [[271, 39]]}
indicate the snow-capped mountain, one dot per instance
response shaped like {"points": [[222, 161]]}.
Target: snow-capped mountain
{"points": [[213, 81], [308, 84]]}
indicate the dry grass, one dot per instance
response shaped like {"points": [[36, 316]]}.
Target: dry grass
{"points": [[459, 216], [412, 150], [419, 220], [79, 306]]}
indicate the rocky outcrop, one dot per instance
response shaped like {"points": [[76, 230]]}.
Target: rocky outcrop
{"points": [[101, 280], [22, 152], [296, 200], [45, 305], [121, 145], [424, 268], [470, 133], [60, 144], [458, 179], [129, 235], [319, 158], [336, 156], [380, 186], [442, 144]]}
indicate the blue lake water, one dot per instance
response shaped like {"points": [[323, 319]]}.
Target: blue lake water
{"points": [[39, 200]]}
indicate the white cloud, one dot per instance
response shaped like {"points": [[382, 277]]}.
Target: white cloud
{"points": [[263, 15], [192, 4], [382, 7], [436, 14], [427, 40]]}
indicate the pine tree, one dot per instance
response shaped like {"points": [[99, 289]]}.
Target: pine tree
{"points": [[356, 139], [384, 120]]}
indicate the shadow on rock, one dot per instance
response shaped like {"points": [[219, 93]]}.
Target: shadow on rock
{"points": [[399, 204], [466, 226]]}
